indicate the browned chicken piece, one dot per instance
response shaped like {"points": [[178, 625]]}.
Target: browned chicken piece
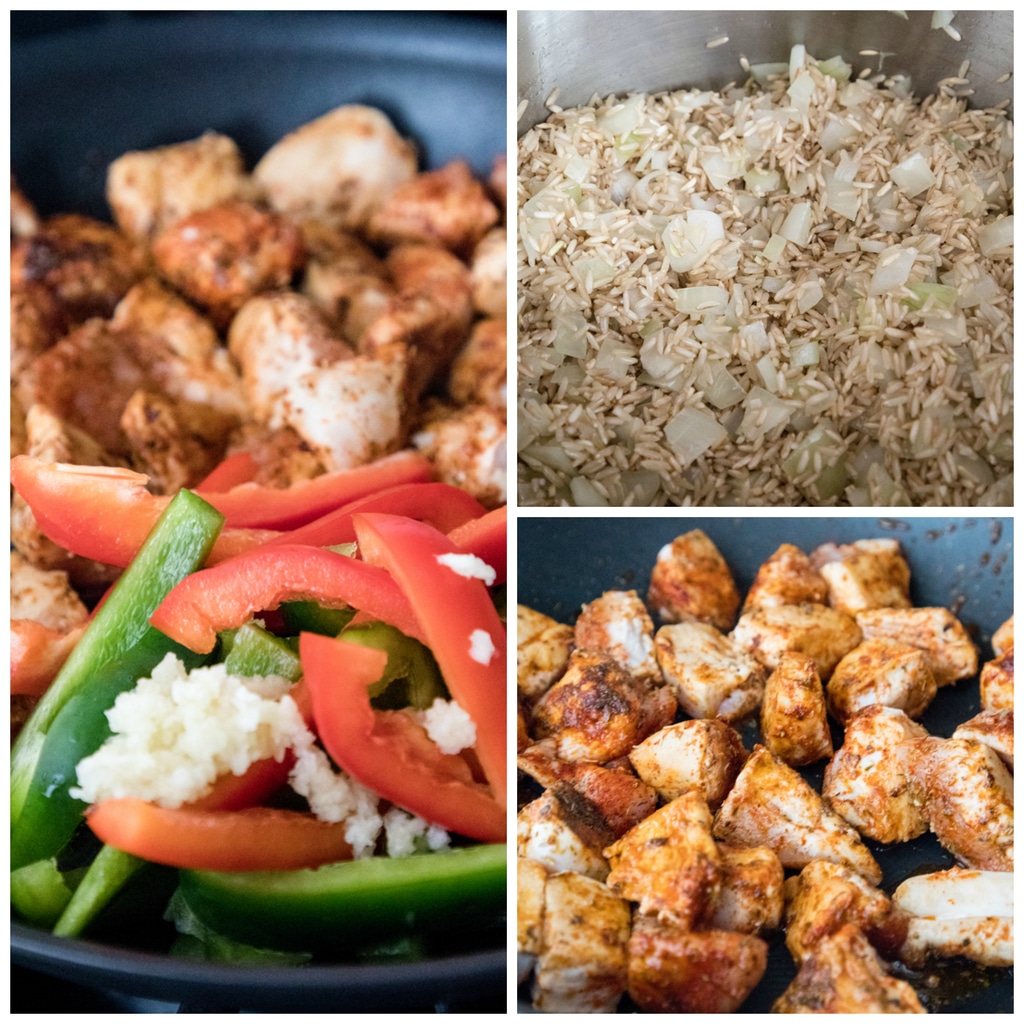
{"points": [[752, 896], [222, 256], [994, 729], [479, 371], [997, 682], [338, 168], [871, 781], [617, 623], [498, 180], [542, 651], [669, 863], [446, 207], [936, 631], [19, 435], [787, 577], [523, 716], [281, 455], [690, 582], [488, 271], [863, 575], [154, 309], [44, 596], [38, 321], [969, 801], [814, 629], [676, 971], [703, 755], [86, 265], [1002, 638], [826, 896], [844, 974], [556, 835], [150, 190], [468, 448], [531, 879], [712, 676], [772, 805], [881, 671], [794, 724], [582, 964], [24, 220]]}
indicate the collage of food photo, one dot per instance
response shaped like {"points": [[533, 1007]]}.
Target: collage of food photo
{"points": [[266, 756]]}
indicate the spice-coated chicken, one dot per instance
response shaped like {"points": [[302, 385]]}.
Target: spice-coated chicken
{"points": [[994, 729], [865, 574], [691, 582], [752, 896], [794, 725], [618, 624], [542, 651], [881, 671], [786, 577]]}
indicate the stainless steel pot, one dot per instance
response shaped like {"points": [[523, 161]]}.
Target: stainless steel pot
{"points": [[586, 52]]}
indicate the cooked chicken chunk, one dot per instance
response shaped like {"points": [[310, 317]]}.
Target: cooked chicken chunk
{"points": [[542, 651], [499, 179], [617, 623], [794, 725], [771, 805], [338, 168], [997, 682], [531, 879], [844, 974], [969, 802], [38, 320], [711, 676], [582, 965], [752, 897], [690, 582], [549, 832], [669, 863], [994, 729], [958, 913], [153, 189], [863, 575], [478, 373], [702, 755], [1002, 638], [44, 596], [825, 896], [151, 308], [488, 273], [787, 577], [936, 631], [871, 781], [676, 971], [881, 671]]}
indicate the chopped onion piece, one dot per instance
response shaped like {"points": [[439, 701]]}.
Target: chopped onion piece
{"points": [[585, 493], [774, 248], [614, 359], [623, 117], [821, 453], [624, 182], [941, 295], [764, 73], [689, 239], [800, 92], [597, 271], [797, 59], [720, 387], [692, 432], [996, 235], [698, 300], [804, 355], [721, 168], [552, 455], [578, 168], [570, 334], [913, 175], [763, 412], [769, 375], [642, 484], [892, 270], [809, 295], [835, 67], [796, 228], [762, 182]]}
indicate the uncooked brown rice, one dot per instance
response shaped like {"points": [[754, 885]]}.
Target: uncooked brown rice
{"points": [[869, 363]]}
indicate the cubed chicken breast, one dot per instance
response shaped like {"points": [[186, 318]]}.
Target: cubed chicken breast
{"points": [[865, 574], [936, 631], [542, 651], [994, 729], [772, 805], [478, 372], [881, 671], [794, 724], [1002, 638], [752, 896], [531, 879], [152, 308], [617, 623], [44, 596], [787, 577], [997, 682], [582, 965], [548, 832], [488, 271], [691, 582], [710, 674]]}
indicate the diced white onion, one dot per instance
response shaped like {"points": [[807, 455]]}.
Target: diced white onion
{"points": [[801, 92], [774, 248], [578, 168], [762, 182], [720, 387], [913, 175], [614, 359], [804, 355], [585, 493], [796, 228], [763, 412], [892, 270], [797, 59], [623, 117], [699, 300], [552, 455], [689, 238], [996, 235], [692, 432]]}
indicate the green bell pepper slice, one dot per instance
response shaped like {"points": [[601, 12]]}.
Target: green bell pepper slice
{"points": [[253, 651], [412, 678]]}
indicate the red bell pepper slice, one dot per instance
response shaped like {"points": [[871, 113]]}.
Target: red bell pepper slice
{"points": [[251, 839], [388, 751], [460, 622], [37, 653], [258, 782], [486, 538], [226, 596], [236, 468]]}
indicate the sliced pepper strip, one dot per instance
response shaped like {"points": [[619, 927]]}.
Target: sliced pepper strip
{"points": [[226, 596], [236, 468], [388, 751], [251, 839], [486, 538], [460, 623], [37, 654]]}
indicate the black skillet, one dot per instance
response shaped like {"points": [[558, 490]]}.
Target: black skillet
{"points": [[81, 98]]}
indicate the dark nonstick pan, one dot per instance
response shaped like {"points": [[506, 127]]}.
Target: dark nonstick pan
{"points": [[965, 564], [81, 98]]}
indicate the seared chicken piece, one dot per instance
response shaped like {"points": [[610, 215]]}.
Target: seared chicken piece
{"points": [[793, 720], [690, 582], [881, 671], [844, 974], [19, 434], [44, 596], [38, 320], [771, 805], [488, 271], [969, 801], [826, 896], [150, 307], [702, 755], [446, 207], [582, 963], [936, 631], [676, 971], [872, 783], [531, 879], [152, 189], [617, 623], [711, 676], [863, 575], [282, 457], [958, 913], [669, 863], [551, 833], [24, 220], [478, 373], [542, 651], [338, 168], [752, 896], [997, 682], [1002, 638], [787, 577], [994, 729]]}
